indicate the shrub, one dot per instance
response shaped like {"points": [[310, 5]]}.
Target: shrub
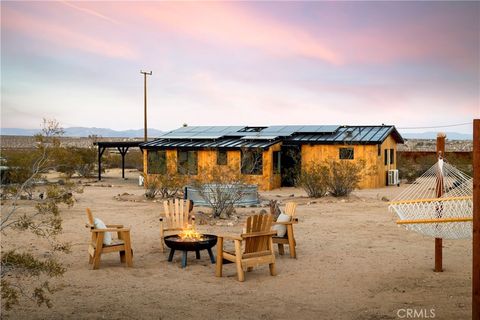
{"points": [[344, 177], [221, 188], [314, 179], [165, 185]]}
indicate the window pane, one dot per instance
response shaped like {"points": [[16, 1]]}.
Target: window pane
{"points": [[157, 162], [276, 162], [182, 162], [192, 162], [392, 156], [386, 156], [221, 157], [252, 162], [346, 154]]}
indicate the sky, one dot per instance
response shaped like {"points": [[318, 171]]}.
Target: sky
{"points": [[410, 64]]}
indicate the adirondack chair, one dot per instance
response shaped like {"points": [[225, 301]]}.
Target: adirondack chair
{"points": [[177, 218], [289, 237], [97, 247], [258, 248]]}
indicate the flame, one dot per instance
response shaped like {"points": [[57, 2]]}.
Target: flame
{"points": [[190, 234]]}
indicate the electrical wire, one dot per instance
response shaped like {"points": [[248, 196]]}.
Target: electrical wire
{"points": [[435, 127]]}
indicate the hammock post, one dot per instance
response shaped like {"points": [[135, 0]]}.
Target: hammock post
{"points": [[439, 192], [476, 222]]}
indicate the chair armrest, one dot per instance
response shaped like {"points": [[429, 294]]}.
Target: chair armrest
{"points": [[230, 236], [293, 221], [114, 225], [258, 234], [111, 230]]}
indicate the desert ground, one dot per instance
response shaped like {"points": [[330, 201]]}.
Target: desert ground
{"points": [[353, 262]]}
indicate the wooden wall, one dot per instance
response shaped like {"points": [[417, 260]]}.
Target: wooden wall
{"points": [[208, 158], [374, 175]]}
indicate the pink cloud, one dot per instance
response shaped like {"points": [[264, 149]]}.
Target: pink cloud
{"points": [[233, 25], [64, 36]]}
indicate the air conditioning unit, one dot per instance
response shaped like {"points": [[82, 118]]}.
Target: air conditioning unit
{"points": [[393, 178]]}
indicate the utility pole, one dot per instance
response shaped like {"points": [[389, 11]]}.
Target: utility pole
{"points": [[145, 100], [476, 222]]}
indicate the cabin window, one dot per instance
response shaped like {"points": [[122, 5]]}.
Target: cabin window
{"points": [[221, 157], [386, 156], [157, 162], [392, 156], [252, 162], [276, 162], [379, 150], [346, 154], [187, 162]]}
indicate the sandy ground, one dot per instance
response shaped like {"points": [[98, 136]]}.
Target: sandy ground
{"points": [[353, 263]]}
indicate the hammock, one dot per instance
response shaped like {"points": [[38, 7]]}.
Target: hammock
{"points": [[438, 204]]}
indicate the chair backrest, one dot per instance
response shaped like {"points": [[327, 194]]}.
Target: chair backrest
{"points": [[177, 212], [90, 217], [290, 208], [258, 223]]}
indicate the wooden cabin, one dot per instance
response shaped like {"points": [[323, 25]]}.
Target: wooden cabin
{"points": [[268, 156]]}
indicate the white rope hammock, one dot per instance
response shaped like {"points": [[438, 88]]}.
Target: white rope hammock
{"points": [[437, 204]]}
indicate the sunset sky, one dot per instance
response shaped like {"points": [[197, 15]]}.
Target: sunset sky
{"points": [[248, 63]]}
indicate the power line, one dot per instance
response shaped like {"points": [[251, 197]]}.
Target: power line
{"points": [[435, 127]]}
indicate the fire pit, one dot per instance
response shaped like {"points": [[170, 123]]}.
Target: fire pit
{"points": [[191, 241]]}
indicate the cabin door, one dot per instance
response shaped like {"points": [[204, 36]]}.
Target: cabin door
{"points": [[290, 160]]}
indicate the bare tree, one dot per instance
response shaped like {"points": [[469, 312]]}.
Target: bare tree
{"points": [[41, 216]]}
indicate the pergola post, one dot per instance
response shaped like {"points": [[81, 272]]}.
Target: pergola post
{"points": [[123, 151], [101, 150]]}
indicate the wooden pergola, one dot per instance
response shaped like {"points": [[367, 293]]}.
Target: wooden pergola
{"points": [[122, 147]]}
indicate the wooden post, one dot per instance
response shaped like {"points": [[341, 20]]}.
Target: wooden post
{"points": [[145, 101], [101, 150], [476, 222], [439, 192], [123, 151]]}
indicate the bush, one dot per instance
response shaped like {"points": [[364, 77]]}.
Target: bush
{"points": [[314, 179], [220, 187], [339, 178], [165, 185], [344, 177]]}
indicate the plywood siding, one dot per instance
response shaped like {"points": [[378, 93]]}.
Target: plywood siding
{"points": [[207, 159], [374, 175]]}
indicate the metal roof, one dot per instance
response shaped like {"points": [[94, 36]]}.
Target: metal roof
{"points": [[234, 143], [242, 137], [350, 135]]}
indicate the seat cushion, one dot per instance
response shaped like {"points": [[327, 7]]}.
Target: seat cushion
{"points": [[281, 228], [107, 236]]}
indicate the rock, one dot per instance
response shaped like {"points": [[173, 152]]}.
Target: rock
{"points": [[263, 211], [61, 182], [385, 199], [292, 195], [253, 211]]}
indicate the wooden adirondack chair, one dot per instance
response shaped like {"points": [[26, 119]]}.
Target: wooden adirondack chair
{"points": [[289, 237], [177, 218], [97, 247], [258, 247]]}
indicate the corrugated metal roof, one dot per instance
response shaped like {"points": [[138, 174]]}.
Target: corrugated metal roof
{"points": [[233, 137], [221, 143], [350, 135]]}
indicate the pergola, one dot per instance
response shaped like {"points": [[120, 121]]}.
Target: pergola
{"points": [[122, 147]]}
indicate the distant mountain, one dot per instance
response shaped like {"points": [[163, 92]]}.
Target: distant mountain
{"points": [[433, 135], [85, 132]]}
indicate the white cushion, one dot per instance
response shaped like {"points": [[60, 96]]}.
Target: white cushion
{"points": [[107, 236], [281, 228]]}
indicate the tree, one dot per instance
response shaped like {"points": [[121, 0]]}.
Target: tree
{"points": [[40, 216]]}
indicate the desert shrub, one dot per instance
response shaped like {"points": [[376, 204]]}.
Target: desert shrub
{"points": [[165, 185], [344, 177], [338, 178], [133, 160], [314, 179], [23, 274], [221, 188], [74, 160]]}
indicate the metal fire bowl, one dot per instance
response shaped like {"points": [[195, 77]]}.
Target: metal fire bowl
{"points": [[208, 241]]}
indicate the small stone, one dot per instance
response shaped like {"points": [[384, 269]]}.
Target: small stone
{"points": [[263, 211], [292, 195], [385, 199]]}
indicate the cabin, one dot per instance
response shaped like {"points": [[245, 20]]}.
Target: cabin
{"points": [[270, 156]]}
